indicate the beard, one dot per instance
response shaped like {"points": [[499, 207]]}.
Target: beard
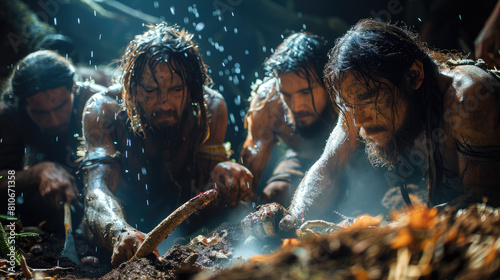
{"points": [[402, 140], [325, 121], [168, 132], [160, 126]]}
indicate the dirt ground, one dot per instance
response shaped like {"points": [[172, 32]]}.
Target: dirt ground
{"points": [[423, 244]]}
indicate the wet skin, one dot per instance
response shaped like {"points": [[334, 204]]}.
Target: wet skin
{"points": [[267, 123], [164, 99], [163, 96]]}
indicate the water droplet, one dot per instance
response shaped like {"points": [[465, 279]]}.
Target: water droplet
{"points": [[209, 53], [186, 20], [459, 16], [236, 129], [55, 21], [235, 30], [156, 4], [247, 52], [57, 138], [100, 36], [231, 117], [172, 10], [78, 20], [146, 186], [95, 13], [91, 53]]}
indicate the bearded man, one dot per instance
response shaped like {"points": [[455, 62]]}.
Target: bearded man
{"points": [[291, 106], [160, 148], [411, 112]]}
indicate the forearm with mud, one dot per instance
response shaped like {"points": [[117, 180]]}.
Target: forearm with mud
{"points": [[320, 185], [103, 213]]}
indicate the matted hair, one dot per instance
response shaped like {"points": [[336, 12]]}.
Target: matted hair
{"points": [[163, 43]]}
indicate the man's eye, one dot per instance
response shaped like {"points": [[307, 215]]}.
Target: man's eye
{"points": [[178, 89], [149, 89]]}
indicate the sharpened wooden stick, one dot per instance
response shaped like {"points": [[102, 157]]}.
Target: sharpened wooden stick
{"points": [[162, 230]]}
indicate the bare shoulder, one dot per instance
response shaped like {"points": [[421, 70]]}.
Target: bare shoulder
{"points": [[100, 117], [265, 102], [100, 104], [472, 105], [214, 101]]}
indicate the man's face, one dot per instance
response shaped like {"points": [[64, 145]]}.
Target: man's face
{"points": [[51, 109], [162, 100], [305, 100], [387, 122], [372, 109]]}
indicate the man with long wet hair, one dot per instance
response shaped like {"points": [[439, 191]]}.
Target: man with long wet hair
{"points": [[166, 141], [291, 106], [412, 107]]}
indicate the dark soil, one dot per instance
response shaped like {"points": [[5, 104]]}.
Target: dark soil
{"points": [[180, 262], [462, 244]]}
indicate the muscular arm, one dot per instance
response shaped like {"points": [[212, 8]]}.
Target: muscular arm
{"points": [[320, 185], [232, 180], [102, 212], [475, 107], [261, 137], [217, 112]]}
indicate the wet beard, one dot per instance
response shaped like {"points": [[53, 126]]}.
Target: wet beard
{"points": [[169, 134], [402, 141], [324, 122]]}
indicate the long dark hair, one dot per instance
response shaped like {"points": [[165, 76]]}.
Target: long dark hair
{"points": [[377, 51], [163, 43], [303, 53]]}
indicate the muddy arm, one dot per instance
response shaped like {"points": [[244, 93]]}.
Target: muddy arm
{"points": [[103, 213], [320, 185]]}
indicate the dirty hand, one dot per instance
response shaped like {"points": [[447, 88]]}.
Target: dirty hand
{"points": [[233, 182], [125, 244], [270, 220], [56, 185], [487, 45]]}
